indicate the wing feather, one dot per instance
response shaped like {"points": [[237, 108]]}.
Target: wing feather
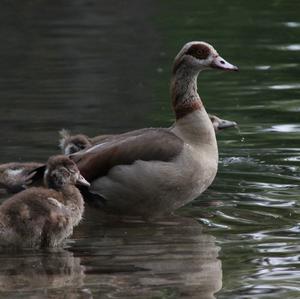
{"points": [[146, 144]]}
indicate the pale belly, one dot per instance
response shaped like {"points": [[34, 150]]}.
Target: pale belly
{"points": [[156, 188]]}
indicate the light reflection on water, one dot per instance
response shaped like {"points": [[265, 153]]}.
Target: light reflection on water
{"points": [[285, 86], [295, 47], [288, 128], [292, 24], [104, 67]]}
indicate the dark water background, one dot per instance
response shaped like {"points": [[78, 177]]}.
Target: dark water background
{"points": [[103, 67]]}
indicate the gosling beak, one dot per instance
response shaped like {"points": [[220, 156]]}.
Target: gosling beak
{"points": [[224, 124], [82, 181], [220, 63]]}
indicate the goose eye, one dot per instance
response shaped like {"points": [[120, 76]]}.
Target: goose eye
{"points": [[199, 51], [202, 53]]}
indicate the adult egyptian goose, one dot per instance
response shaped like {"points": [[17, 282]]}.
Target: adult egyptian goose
{"points": [[15, 176], [70, 144], [44, 217], [151, 172]]}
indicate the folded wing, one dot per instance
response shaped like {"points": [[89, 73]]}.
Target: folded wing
{"points": [[146, 144]]}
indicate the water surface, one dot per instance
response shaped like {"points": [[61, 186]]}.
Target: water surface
{"points": [[103, 67]]}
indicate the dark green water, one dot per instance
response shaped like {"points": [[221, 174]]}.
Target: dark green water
{"points": [[98, 67]]}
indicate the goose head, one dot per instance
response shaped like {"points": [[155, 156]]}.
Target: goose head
{"points": [[61, 171], [200, 56]]}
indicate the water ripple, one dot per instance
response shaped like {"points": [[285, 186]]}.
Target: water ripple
{"points": [[291, 128], [285, 86], [291, 47], [292, 24], [262, 67]]}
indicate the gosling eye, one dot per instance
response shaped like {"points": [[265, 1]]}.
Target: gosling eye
{"points": [[65, 172]]}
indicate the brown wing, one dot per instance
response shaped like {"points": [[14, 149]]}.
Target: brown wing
{"points": [[117, 137], [146, 145], [103, 138]]}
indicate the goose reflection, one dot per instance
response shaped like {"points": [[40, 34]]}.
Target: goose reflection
{"points": [[35, 274], [172, 258], [169, 259]]}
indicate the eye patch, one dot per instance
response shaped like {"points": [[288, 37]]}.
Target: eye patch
{"points": [[198, 51]]}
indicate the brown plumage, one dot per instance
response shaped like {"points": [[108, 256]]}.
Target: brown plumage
{"points": [[163, 145], [15, 176], [44, 217]]}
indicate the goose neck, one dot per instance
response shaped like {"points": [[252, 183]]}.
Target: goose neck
{"points": [[185, 97]]}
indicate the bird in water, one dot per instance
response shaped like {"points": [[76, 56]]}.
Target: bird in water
{"points": [[152, 172], [44, 216]]}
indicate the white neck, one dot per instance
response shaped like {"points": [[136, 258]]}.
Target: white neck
{"points": [[196, 128]]}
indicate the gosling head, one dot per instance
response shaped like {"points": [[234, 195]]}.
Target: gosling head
{"points": [[71, 144], [200, 56], [61, 171], [221, 124]]}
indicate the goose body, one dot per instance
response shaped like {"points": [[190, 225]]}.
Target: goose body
{"points": [[44, 217], [152, 172]]}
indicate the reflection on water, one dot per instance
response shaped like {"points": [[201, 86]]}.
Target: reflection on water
{"points": [[30, 274], [289, 128], [285, 86], [168, 259], [292, 24], [103, 67], [295, 47], [262, 67]]}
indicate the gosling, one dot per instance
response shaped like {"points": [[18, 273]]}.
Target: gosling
{"points": [[42, 217]]}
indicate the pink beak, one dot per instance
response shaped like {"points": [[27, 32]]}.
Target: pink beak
{"points": [[222, 64]]}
